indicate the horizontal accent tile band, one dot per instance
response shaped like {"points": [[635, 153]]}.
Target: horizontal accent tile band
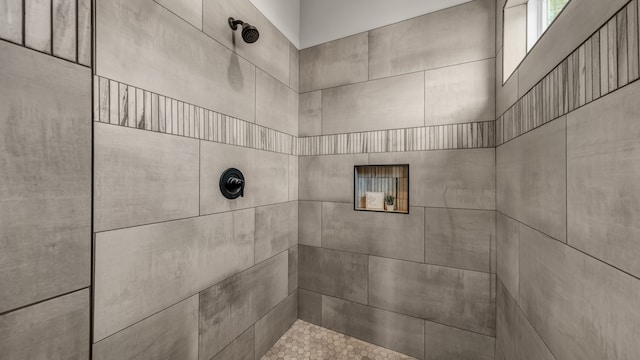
{"points": [[124, 105]]}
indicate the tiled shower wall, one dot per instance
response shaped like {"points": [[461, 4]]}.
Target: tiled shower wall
{"points": [[420, 92], [567, 190], [45, 179], [179, 98]]}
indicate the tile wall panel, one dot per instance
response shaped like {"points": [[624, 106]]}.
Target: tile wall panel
{"points": [[393, 331], [454, 297], [293, 268], [276, 104], [12, 19], [310, 223], [54, 329], [274, 324], [339, 62], [232, 306], [45, 226], [310, 306], [293, 178], [508, 249], [370, 105], [328, 178], [133, 167], [445, 342], [189, 10], [310, 114], [64, 29], [603, 190], [459, 238], [172, 331], [242, 348], [37, 18], [456, 35], [294, 68], [373, 233], [142, 270], [276, 229]]}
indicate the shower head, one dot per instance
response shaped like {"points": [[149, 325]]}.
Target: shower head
{"points": [[250, 33]]}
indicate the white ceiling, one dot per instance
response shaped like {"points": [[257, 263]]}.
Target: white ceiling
{"points": [[311, 22]]}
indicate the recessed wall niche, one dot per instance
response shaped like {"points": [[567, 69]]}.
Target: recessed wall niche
{"points": [[381, 188]]}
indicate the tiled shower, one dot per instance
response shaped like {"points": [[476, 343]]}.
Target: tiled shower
{"points": [[118, 117]]}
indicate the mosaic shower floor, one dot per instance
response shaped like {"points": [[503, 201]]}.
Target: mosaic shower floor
{"points": [[307, 341]]}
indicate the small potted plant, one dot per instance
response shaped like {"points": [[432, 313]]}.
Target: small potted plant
{"points": [[389, 200]]}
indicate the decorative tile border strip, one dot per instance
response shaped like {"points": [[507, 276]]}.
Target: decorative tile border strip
{"points": [[61, 28], [438, 137], [605, 62], [124, 105]]}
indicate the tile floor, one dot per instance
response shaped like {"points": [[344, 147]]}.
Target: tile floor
{"points": [[307, 341]]}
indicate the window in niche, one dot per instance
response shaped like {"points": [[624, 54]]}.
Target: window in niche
{"points": [[381, 188]]}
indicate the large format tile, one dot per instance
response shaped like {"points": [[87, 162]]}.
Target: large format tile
{"points": [[145, 45], [169, 334], [455, 35], [294, 68], [531, 177], [266, 175], [276, 229], [293, 268], [461, 93], [37, 28], [232, 306], [444, 342], [85, 32], [516, 338], [389, 235], [459, 238], [394, 331], [581, 307], [506, 89], [293, 178], [455, 297], [270, 53], [143, 177], [328, 178], [371, 105], [54, 329], [334, 273], [603, 179], [508, 267], [242, 348], [448, 178], [189, 10], [11, 25], [310, 306], [273, 325], [63, 15], [276, 104], [339, 62], [310, 114], [45, 177], [310, 223], [141, 270]]}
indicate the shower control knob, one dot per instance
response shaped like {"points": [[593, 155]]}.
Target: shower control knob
{"points": [[232, 183]]}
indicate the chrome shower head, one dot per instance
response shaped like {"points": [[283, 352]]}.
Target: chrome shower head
{"points": [[250, 33]]}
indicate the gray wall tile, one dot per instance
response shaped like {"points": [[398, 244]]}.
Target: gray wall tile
{"points": [[276, 104], [310, 223], [143, 177], [276, 229], [461, 93], [293, 268], [275, 323], [394, 331], [54, 329], [339, 62], [563, 291], [141, 270], [531, 177], [310, 306], [294, 68], [189, 10], [11, 24], [310, 114], [389, 235], [328, 178], [455, 297], [445, 342], [455, 35], [131, 49], [459, 238], [37, 28], [603, 179], [293, 178], [371, 105], [270, 53], [334, 273], [169, 334], [266, 174], [507, 93], [64, 29], [230, 307], [45, 177], [449, 178], [507, 252], [85, 35], [242, 348]]}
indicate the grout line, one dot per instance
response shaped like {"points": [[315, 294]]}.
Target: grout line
{"points": [[22, 307]]}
